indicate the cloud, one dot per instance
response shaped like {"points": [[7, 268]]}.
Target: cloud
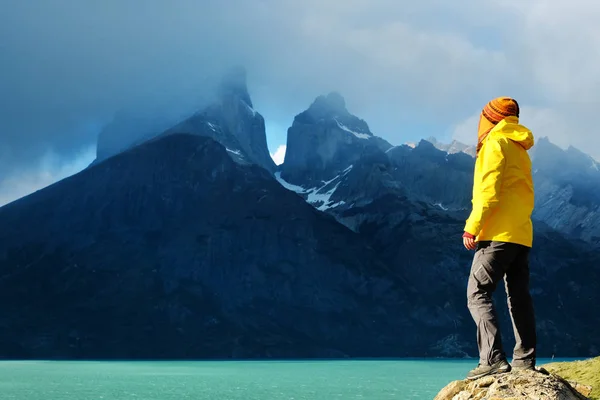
{"points": [[49, 170], [411, 70], [543, 122], [279, 154], [466, 131]]}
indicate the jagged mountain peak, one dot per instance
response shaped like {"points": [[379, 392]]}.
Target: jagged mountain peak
{"points": [[233, 122], [433, 140], [569, 160], [229, 119], [234, 83], [583, 157], [426, 148], [330, 104], [544, 143], [330, 110], [326, 139], [453, 147], [426, 144]]}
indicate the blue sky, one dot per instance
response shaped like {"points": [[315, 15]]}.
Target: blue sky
{"points": [[410, 69]]}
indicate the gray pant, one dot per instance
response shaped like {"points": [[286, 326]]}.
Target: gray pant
{"points": [[492, 262]]}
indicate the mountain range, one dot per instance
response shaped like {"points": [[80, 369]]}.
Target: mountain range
{"points": [[187, 241]]}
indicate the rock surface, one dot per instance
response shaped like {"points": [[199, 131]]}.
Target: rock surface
{"points": [[324, 140], [522, 385], [173, 250]]}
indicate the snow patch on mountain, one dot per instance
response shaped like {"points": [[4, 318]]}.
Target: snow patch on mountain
{"points": [[357, 134], [324, 199], [289, 186], [319, 197], [344, 172], [252, 110], [453, 147]]}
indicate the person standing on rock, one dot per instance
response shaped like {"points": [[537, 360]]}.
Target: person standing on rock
{"points": [[500, 230]]}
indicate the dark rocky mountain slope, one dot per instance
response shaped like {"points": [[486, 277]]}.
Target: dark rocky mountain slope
{"points": [[172, 249]]}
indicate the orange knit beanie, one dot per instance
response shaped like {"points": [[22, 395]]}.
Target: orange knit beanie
{"points": [[494, 112]]}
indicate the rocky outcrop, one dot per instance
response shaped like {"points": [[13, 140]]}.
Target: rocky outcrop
{"points": [[523, 385], [325, 140]]}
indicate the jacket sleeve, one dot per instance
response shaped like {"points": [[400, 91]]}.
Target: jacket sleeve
{"points": [[486, 185]]}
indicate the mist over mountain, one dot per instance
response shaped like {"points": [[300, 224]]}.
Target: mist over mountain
{"points": [[188, 242]]}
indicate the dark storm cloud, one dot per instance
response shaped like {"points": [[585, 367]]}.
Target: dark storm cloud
{"points": [[69, 65], [66, 67]]}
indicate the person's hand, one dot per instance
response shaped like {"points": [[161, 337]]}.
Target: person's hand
{"points": [[469, 241]]}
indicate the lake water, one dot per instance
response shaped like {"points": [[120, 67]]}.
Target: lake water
{"points": [[221, 380]]}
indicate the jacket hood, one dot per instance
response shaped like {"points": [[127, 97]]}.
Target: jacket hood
{"points": [[511, 129]]}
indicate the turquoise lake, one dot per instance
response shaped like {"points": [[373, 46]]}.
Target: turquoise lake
{"points": [[220, 380]]}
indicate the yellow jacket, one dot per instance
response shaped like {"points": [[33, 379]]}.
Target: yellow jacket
{"points": [[503, 187]]}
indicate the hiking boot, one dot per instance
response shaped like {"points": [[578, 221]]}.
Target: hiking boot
{"points": [[523, 367], [484, 370]]}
